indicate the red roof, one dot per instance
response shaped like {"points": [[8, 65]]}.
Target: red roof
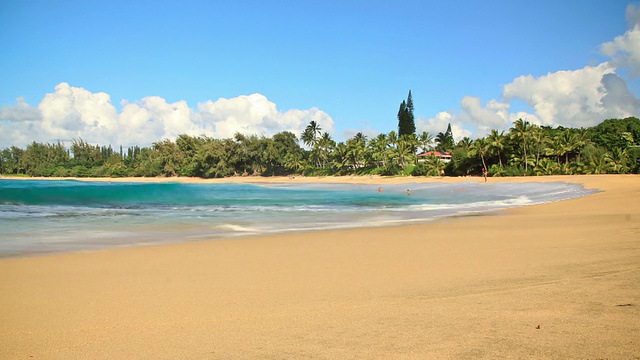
{"points": [[436, 153]]}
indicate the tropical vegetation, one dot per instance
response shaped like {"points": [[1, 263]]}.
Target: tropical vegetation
{"points": [[612, 147]]}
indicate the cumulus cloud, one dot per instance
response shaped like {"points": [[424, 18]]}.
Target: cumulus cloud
{"points": [[618, 101], [439, 123], [73, 112], [21, 111], [568, 98], [572, 98], [632, 15], [625, 49], [255, 114], [494, 115]]}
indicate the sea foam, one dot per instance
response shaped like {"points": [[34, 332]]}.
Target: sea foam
{"points": [[44, 216]]}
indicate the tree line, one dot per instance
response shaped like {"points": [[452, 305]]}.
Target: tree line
{"points": [[613, 146]]}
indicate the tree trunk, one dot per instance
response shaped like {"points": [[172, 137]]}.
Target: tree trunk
{"points": [[526, 169]]}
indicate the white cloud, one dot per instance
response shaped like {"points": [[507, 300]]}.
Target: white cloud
{"points": [[255, 114], [439, 123], [568, 98], [633, 14], [73, 112], [531, 118], [367, 131], [625, 50], [494, 116], [572, 98], [618, 101], [21, 111]]}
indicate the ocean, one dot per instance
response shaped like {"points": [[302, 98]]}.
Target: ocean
{"points": [[43, 216]]}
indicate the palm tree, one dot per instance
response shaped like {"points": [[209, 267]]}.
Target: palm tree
{"points": [[325, 143], [496, 143], [435, 166], [311, 137], [356, 150], [405, 149], [568, 143], [425, 140], [596, 161], [538, 141], [360, 137], [480, 147], [311, 134], [444, 141], [379, 149], [340, 157], [465, 143], [582, 141], [293, 161], [392, 137], [546, 167], [521, 130], [617, 160], [313, 131], [554, 147]]}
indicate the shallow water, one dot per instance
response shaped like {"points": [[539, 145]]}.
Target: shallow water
{"points": [[40, 216]]}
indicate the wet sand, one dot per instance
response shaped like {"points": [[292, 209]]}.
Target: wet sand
{"points": [[550, 281]]}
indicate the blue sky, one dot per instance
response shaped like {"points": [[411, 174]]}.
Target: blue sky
{"points": [[346, 64]]}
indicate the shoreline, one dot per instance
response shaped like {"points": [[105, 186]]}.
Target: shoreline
{"points": [[554, 280], [358, 179], [391, 182]]}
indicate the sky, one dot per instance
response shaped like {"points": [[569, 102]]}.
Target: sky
{"points": [[135, 72]]}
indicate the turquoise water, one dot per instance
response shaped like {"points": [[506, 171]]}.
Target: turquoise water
{"points": [[39, 216]]}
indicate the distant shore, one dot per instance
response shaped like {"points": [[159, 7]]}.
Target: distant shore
{"points": [[549, 281], [367, 179]]}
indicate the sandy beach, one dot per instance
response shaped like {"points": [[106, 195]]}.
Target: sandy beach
{"points": [[551, 281]]}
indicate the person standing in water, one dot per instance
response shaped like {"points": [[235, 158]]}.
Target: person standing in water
{"points": [[408, 192]]}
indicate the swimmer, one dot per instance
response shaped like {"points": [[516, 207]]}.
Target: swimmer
{"points": [[408, 192], [380, 189]]}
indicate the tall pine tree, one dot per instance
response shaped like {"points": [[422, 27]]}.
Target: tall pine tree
{"points": [[406, 122], [402, 115]]}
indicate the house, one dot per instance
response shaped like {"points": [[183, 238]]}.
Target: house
{"points": [[444, 156]]}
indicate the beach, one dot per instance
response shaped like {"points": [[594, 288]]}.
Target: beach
{"points": [[549, 281]]}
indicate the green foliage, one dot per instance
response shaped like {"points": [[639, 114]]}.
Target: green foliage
{"points": [[496, 171], [514, 170], [547, 167], [420, 169], [614, 133], [595, 160], [633, 154], [444, 140], [406, 120], [462, 163], [610, 147]]}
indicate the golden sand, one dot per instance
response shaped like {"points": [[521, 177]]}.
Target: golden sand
{"points": [[552, 281]]}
